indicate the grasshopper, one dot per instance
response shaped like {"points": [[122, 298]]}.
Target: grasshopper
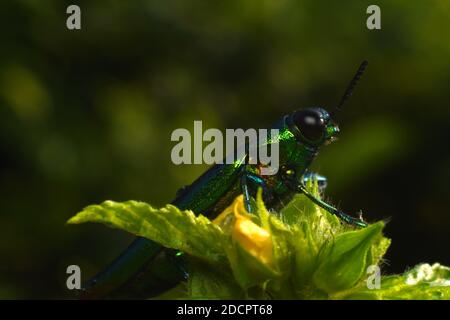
{"points": [[147, 269]]}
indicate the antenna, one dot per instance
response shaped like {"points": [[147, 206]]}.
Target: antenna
{"points": [[351, 86]]}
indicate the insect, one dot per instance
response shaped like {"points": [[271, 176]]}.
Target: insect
{"points": [[147, 269]]}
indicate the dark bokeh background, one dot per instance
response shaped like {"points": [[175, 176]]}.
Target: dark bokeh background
{"points": [[86, 115]]}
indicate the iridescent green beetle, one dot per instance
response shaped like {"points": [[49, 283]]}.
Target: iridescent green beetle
{"points": [[147, 269]]}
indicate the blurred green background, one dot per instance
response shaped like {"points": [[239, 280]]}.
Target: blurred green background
{"points": [[87, 115]]}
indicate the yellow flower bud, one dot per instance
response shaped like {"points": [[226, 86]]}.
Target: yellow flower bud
{"points": [[252, 238]]}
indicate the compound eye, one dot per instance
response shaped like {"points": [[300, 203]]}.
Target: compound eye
{"points": [[311, 124]]}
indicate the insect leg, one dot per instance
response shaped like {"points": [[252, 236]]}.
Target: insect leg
{"points": [[246, 192], [248, 179], [341, 215]]}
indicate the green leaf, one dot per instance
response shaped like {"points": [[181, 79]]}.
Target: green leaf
{"points": [[169, 226], [305, 256], [345, 260], [379, 248], [208, 281], [424, 282]]}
